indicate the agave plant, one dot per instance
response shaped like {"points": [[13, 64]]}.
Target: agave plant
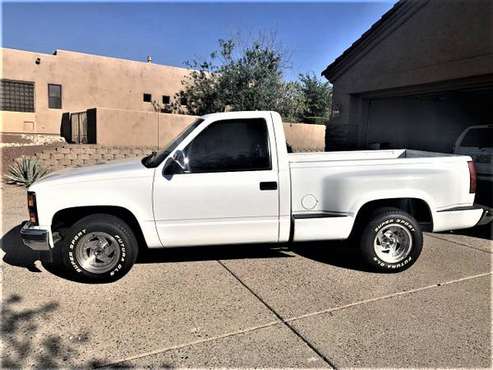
{"points": [[25, 171]]}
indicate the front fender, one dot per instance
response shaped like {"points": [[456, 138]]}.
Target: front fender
{"points": [[132, 194]]}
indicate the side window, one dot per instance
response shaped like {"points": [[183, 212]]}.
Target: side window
{"points": [[479, 137], [54, 96], [230, 145]]}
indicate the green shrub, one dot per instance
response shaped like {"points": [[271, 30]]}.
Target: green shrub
{"points": [[316, 120], [25, 171]]}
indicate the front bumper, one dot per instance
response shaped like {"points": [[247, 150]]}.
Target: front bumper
{"points": [[36, 239]]}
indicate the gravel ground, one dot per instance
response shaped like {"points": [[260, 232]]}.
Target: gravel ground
{"points": [[308, 305]]}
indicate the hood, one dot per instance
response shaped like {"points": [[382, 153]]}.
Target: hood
{"points": [[117, 170]]}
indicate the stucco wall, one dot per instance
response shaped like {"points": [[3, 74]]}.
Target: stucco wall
{"points": [[137, 128], [305, 137], [87, 81], [17, 121]]}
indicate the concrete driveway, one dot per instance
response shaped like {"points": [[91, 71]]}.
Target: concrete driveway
{"points": [[307, 305]]}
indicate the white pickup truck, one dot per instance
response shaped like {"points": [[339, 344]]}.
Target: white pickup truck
{"points": [[228, 178]]}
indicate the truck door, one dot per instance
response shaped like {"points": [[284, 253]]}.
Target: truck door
{"points": [[230, 192]]}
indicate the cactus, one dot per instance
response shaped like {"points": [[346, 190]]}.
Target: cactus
{"points": [[25, 171]]}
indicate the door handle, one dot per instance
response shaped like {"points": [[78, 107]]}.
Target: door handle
{"points": [[268, 185]]}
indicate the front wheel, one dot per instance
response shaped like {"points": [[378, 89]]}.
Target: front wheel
{"points": [[98, 248], [392, 241]]}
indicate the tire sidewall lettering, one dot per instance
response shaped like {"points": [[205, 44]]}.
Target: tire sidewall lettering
{"points": [[71, 249], [123, 254], [395, 220]]}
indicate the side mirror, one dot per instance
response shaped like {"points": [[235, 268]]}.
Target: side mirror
{"points": [[175, 165], [182, 161]]}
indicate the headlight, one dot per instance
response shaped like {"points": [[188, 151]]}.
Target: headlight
{"points": [[31, 207]]}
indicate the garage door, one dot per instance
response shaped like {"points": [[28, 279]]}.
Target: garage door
{"points": [[428, 122]]}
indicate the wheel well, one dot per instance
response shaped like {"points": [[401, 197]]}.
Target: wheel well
{"points": [[65, 218], [417, 208]]}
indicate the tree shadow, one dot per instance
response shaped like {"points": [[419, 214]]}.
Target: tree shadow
{"points": [[24, 343]]}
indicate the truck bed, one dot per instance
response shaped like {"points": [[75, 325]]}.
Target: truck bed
{"points": [[328, 189], [362, 155]]}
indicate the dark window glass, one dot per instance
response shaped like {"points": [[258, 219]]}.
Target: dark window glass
{"points": [[54, 96], [230, 145], [166, 99], [479, 137], [17, 96], [147, 97]]}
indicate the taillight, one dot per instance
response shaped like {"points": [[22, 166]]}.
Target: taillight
{"points": [[31, 207], [472, 177]]}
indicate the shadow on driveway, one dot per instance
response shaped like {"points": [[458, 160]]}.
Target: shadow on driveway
{"points": [[212, 253], [342, 254], [16, 253], [337, 253], [482, 232]]}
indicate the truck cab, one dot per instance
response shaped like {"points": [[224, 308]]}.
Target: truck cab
{"points": [[237, 166]]}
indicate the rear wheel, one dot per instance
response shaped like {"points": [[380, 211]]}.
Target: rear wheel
{"points": [[98, 248], [391, 241]]}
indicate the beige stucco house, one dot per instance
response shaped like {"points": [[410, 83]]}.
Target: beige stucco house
{"points": [[37, 88], [101, 100]]}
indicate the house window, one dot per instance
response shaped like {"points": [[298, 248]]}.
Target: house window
{"points": [[17, 96], [166, 99], [147, 97], [54, 96]]}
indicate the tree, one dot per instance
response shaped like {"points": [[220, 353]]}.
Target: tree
{"points": [[252, 79], [248, 79], [317, 97]]}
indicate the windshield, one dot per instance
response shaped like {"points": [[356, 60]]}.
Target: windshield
{"points": [[154, 159]]}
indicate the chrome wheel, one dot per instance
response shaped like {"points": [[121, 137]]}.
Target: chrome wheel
{"points": [[393, 243], [97, 252]]}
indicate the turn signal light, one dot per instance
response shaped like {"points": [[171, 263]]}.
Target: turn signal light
{"points": [[31, 207], [33, 218], [31, 200]]}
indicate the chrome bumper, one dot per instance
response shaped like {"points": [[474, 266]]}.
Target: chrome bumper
{"points": [[36, 239]]}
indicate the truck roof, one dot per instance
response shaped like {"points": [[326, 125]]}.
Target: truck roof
{"points": [[243, 114]]}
